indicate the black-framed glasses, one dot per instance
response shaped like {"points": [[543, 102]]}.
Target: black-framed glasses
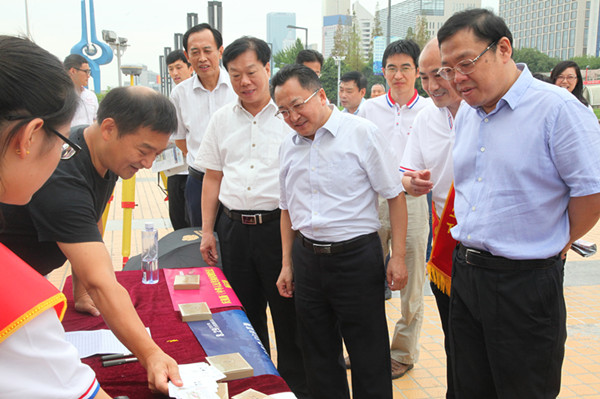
{"points": [[87, 71], [69, 148], [465, 66], [296, 108], [392, 70]]}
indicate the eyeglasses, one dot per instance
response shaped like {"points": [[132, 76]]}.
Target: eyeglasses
{"points": [[392, 70], [296, 108], [69, 148], [465, 66], [87, 71], [568, 78]]}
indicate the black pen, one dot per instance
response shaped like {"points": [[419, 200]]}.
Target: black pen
{"points": [[119, 361], [114, 356]]}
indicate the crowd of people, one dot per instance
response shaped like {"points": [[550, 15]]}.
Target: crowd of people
{"points": [[316, 209]]}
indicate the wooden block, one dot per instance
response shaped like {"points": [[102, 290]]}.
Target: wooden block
{"points": [[187, 282], [250, 394], [195, 311], [223, 390], [233, 365]]}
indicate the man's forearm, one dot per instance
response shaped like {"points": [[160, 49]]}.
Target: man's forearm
{"points": [[182, 145], [584, 213], [398, 224], [287, 238]]}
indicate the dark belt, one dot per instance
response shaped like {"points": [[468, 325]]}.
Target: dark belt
{"points": [[480, 258], [195, 173], [257, 217], [330, 248]]}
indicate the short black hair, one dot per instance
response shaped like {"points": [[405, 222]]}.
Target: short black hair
{"points": [[133, 107], [34, 84], [578, 89], [199, 28], [402, 46], [307, 78], [356, 77], [243, 44], [485, 25], [74, 61], [177, 55], [309, 56]]}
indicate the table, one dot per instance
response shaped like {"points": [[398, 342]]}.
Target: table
{"points": [[154, 307]]}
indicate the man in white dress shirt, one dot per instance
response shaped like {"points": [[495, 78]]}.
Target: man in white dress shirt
{"points": [[331, 173], [79, 70], [394, 114], [196, 99], [428, 163], [240, 155]]}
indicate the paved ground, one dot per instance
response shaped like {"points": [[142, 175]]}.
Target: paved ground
{"points": [[581, 371]]}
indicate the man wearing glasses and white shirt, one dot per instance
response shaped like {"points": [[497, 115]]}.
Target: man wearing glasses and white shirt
{"points": [[394, 114], [79, 70]]}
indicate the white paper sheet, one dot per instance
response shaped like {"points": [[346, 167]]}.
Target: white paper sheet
{"points": [[90, 343]]}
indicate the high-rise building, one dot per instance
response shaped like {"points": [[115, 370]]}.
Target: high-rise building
{"points": [[364, 21], [336, 15], [558, 28], [436, 12], [278, 34]]}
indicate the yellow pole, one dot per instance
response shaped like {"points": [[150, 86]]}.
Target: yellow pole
{"points": [[105, 215], [127, 203]]}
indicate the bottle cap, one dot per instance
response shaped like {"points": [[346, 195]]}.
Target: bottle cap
{"points": [[149, 226]]}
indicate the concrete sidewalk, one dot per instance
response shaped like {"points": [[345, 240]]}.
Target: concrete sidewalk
{"points": [[581, 371]]}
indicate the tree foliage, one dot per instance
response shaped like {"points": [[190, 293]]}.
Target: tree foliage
{"points": [[536, 60], [288, 55], [354, 56]]}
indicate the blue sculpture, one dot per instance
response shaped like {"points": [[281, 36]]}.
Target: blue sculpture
{"points": [[89, 50]]}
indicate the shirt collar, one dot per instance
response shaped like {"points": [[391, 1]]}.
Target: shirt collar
{"points": [[411, 103], [223, 80], [362, 100], [513, 96], [270, 105], [331, 125]]}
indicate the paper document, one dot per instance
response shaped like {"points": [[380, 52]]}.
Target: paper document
{"points": [[90, 343], [199, 381]]}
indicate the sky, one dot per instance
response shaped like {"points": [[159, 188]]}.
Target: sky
{"points": [[149, 25]]}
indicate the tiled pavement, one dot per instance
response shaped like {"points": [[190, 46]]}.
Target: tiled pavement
{"points": [[581, 371]]}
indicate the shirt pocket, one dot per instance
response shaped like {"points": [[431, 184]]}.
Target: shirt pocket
{"points": [[344, 177]]}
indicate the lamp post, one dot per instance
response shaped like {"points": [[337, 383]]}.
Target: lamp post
{"points": [[586, 72], [338, 61], [305, 33], [119, 45]]}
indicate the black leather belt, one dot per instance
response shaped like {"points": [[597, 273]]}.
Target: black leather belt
{"points": [[195, 173], [330, 248], [480, 258], [257, 217]]}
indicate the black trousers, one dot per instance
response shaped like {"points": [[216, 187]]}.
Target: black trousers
{"points": [[342, 296], [193, 197], [177, 207], [507, 330], [443, 304], [251, 257]]}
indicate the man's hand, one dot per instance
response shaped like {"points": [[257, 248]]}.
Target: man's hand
{"points": [[397, 275], [208, 249], [285, 282], [85, 304], [417, 182], [161, 368]]}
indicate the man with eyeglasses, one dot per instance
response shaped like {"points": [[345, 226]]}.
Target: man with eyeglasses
{"points": [[331, 172], [62, 220], [79, 70], [394, 114], [240, 152], [527, 184]]}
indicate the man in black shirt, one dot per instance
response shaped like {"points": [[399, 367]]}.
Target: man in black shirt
{"points": [[61, 221]]}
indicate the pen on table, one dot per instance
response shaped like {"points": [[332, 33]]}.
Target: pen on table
{"points": [[114, 356], [117, 362]]}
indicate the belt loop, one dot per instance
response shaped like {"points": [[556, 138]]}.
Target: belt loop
{"points": [[260, 218]]}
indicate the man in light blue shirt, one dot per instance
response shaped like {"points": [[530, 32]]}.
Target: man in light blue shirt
{"points": [[527, 180]]}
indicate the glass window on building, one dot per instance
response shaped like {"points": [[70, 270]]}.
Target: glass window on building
{"points": [[571, 52], [587, 5], [552, 19], [551, 41], [572, 38], [560, 1], [573, 14], [559, 18], [527, 25], [573, 24], [565, 39], [539, 31], [545, 28], [553, 3], [564, 54], [526, 42], [544, 42], [565, 25], [574, 5], [567, 7], [587, 23], [560, 8]]}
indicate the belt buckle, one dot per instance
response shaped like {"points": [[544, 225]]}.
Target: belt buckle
{"points": [[471, 251], [322, 249], [249, 219]]}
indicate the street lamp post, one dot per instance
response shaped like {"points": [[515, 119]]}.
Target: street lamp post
{"points": [[338, 61], [119, 45], [305, 33]]}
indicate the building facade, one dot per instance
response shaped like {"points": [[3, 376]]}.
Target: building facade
{"points": [[558, 28], [365, 24], [278, 34], [436, 12]]}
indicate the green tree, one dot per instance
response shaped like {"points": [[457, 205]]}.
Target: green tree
{"points": [[377, 31], [340, 40], [354, 57], [288, 56], [329, 78], [536, 60], [410, 34], [421, 35], [587, 60]]}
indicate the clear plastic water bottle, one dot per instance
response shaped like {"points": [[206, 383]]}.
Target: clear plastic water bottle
{"points": [[150, 255]]}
